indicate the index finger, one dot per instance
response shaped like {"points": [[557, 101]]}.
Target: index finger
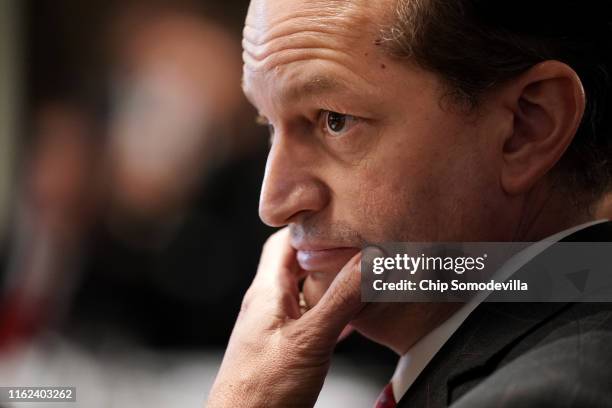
{"points": [[278, 258]]}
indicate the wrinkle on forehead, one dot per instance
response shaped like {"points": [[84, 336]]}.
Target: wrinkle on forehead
{"points": [[282, 31], [264, 15]]}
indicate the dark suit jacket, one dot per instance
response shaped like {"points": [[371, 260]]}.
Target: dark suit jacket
{"points": [[524, 355]]}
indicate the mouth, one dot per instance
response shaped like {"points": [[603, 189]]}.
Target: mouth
{"points": [[324, 259]]}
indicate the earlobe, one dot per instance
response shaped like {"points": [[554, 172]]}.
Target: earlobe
{"points": [[547, 103]]}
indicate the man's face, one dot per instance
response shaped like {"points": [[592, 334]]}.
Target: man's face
{"points": [[363, 148]]}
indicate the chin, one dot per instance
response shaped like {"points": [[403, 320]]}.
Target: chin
{"points": [[315, 286]]}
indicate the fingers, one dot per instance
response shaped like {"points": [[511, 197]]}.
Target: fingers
{"points": [[275, 287], [277, 254], [340, 303], [278, 263]]}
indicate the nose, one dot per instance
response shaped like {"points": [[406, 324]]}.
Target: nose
{"points": [[290, 188]]}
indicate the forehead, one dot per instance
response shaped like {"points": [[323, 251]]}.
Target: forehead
{"points": [[266, 14], [270, 20], [280, 32]]}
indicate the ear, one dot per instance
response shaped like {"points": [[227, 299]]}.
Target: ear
{"points": [[547, 103]]}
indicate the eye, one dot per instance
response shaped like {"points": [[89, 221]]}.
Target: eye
{"points": [[336, 124]]}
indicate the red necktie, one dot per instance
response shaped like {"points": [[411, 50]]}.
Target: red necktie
{"points": [[386, 398]]}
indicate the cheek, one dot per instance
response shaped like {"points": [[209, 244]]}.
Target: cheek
{"points": [[416, 189], [395, 200]]}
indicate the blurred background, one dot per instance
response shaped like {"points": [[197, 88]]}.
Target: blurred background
{"points": [[130, 168]]}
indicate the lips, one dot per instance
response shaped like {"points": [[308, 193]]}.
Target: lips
{"points": [[330, 259]]}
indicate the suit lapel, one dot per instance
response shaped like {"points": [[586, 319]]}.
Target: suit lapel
{"points": [[476, 349]]}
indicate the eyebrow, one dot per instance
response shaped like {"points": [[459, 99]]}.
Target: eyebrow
{"points": [[314, 85], [311, 86]]}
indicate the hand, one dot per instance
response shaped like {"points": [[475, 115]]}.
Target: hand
{"points": [[277, 356]]}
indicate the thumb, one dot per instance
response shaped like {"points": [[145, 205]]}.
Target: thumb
{"points": [[340, 303]]}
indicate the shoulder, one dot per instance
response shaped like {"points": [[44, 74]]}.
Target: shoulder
{"points": [[561, 370]]}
